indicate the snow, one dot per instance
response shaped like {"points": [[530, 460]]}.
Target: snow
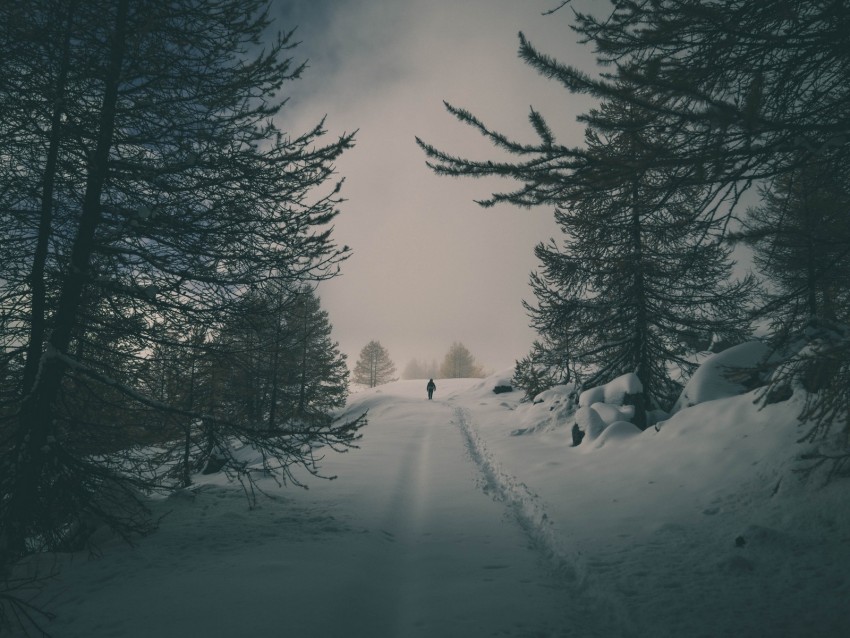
{"points": [[615, 432], [590, 422], [715, 378], [611, 413], [612, 392], [446, 523]]}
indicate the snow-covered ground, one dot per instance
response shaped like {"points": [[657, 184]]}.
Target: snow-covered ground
{"points": [[472, 515]]}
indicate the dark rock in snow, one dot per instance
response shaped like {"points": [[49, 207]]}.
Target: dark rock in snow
{"points": [[578, 435], [214, 464], [502, 388], [779, 394]]}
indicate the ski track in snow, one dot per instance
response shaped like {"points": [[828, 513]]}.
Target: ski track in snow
{"points": [[527, 507]]}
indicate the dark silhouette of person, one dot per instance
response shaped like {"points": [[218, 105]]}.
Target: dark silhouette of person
{"points": [[431, 387]]}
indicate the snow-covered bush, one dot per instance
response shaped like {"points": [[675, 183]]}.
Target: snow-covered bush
{"points": [[728, 373], [615, 391], [550, 409], [606, 405], [540, 370]]}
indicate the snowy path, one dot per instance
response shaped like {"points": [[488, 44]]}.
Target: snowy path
{"points": [[412, 540], [447, 524], [440, 557]]}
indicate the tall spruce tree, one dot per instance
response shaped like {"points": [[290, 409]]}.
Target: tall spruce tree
{"points": [[316, 376], [642, 275], [153, 189], [800, 234], [642, 280]]}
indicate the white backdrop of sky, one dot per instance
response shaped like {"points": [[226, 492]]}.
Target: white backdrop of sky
{"points": [[429, 266]]}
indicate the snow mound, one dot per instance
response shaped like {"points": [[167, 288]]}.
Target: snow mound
{"points": [[502, 379], [614, 433], [484, 387], [723, 375], [553, 394], [613, 391], [611, 413], [589, 422]]}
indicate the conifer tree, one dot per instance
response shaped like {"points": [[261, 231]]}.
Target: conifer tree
{"points": [[459, 363], [760, 89], [316, 375], [374, 366], [800, 234], [546, 365], [641, 274], [801, 239], [153, 189]]}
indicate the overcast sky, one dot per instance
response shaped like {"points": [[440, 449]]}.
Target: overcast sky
{"points": [[430, 266]]}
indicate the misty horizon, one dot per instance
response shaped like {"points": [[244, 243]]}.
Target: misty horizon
{"points": [[429, 267]]}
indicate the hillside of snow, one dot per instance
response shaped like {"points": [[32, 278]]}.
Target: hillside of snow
{"points": [[473, 515]]}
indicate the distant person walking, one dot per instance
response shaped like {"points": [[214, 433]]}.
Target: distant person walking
{"points": [[431, 387]]}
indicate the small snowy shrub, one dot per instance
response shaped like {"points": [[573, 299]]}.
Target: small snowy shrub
{"points": [[726, 374]]}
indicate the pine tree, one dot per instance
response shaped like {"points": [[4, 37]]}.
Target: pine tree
{"points": [[752, 90], [801, 239], [546, 365], [459, 363], [642, 273], [152, 190], [801, 236], [317, 378], [374, 366]]}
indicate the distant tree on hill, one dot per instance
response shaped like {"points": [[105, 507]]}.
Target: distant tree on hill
{"points": [[459, 363], [374, 367]]}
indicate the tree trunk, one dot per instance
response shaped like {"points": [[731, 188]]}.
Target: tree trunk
{"points": [[302, 386], [38, 408], [38, 300], [642, 367], [275, 364]]}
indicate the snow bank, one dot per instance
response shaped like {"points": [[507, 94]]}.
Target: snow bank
{"points": [[725, 374], [615, 432], [550, 409], [699, 529]]}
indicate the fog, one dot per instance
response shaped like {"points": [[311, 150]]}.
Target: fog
{"points": [[429, 266]]}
